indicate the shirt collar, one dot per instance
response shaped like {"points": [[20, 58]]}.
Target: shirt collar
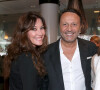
{"points": [[60, 47]]}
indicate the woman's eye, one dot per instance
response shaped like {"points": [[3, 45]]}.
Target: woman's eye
{"points": [[34, 29], [42, 28]]}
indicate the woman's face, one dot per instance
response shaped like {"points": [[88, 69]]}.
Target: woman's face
{"points": [[37, 34]]}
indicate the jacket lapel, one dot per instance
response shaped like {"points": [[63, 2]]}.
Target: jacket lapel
{"points": [[83, 48], [57, 65]]}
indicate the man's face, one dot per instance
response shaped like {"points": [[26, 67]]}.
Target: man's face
{"points": [[69, 26]]}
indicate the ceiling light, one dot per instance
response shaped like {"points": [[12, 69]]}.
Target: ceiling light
{"points": [[6, 37], [96, 11]]}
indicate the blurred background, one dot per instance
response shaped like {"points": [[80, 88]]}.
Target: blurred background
{"points": [[10, 10]]}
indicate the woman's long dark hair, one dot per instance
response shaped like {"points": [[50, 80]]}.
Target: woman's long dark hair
{"points": [[20, 43]]}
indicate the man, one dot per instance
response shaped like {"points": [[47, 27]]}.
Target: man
{"points": [[68, 60]]}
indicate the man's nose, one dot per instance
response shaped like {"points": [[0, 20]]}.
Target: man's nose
{"points": [[69, 28]]}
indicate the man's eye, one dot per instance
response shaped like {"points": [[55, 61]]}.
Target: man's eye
{"points": [[74, 24], [64, 24]]}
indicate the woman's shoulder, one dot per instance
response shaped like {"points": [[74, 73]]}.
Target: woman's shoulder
{"points": [[95, 59], [23, 64], [25, 55], [96, 56], [22, 59]]}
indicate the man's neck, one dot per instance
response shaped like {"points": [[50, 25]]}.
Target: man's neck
{"points": [[68, 49], [68, 44]]}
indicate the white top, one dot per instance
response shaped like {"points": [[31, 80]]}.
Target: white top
{"points": [[72, 71], [95, 72]]}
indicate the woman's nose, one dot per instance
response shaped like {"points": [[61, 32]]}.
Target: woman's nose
{"points": [[39, 32]]}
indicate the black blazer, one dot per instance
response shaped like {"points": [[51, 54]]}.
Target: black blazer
{"points": [[52, 61], [24, 75]]}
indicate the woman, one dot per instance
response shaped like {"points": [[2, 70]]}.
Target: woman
{"points": [[23, 62], [96, 40], [95, 71]]}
